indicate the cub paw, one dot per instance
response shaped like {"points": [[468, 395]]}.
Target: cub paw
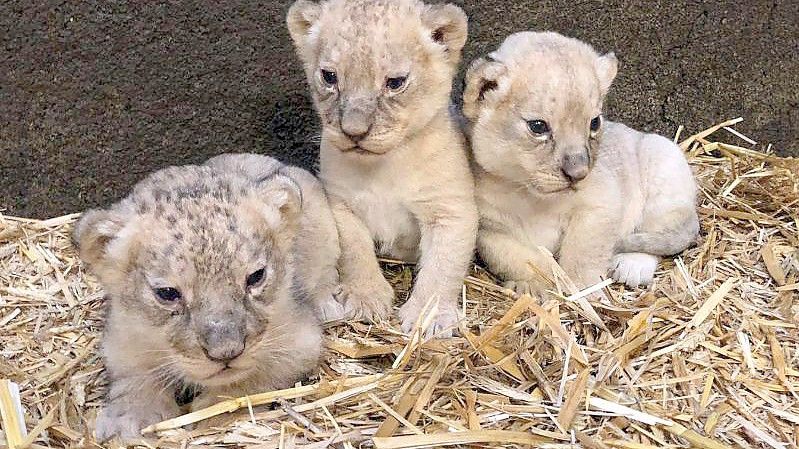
{"points": [[366, 302], [525, 287], [126, 420], [444, 324], [329, 309], [634, 269]]}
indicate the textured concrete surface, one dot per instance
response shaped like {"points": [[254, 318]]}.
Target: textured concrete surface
{"points": [[94, 95]]}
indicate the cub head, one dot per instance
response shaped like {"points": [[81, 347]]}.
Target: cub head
{"points": [[379, 70], [197, 266], [535, 109]]}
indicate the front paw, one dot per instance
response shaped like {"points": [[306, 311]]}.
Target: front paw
{"points": [[125, 420], [330, 309], [366, 302], [526, 287], [444, 324], [634, 269]]}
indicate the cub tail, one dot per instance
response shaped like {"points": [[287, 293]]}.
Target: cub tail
{"points": [[670, 238]]}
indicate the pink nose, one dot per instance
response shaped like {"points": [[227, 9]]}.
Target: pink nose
{"points": [[575, 166]]}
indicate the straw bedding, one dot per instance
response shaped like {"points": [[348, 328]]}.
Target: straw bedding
{"points": [[706, 358]]}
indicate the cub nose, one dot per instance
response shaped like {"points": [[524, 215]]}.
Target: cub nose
{"points": [[575, 166], [224, 353], [356, 122], [355, 136], [222, 340]]}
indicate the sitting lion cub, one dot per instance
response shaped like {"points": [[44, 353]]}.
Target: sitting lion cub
{"points": [[553, 173], [392, 158], [211, 273]]}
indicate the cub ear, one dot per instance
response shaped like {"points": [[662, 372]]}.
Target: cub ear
{"points": [[483, 83], [606, 68], [302, 15], [93, 233], [448, 26], [279, 202]]}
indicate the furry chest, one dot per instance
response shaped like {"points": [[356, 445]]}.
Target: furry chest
{"points": [[532, 221], [539, 229], [391, 224]]}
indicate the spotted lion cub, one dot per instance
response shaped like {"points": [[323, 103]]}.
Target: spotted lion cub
{"points": [[392, 158], [212, 275], [553, 173]]}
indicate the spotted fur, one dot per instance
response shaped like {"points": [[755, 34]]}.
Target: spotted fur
{"points": [[203, 230]]}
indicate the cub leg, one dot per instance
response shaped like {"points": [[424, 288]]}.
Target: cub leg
{"points": [[318, 247], [134, 403], [588, 245], [634, 269], [669, 223], [446, 247], [365, 293], [324, 295], [510, 260]]}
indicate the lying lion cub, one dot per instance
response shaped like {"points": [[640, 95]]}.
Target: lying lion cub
{"points": [[392, 158], [210, 274], [553, 173]]}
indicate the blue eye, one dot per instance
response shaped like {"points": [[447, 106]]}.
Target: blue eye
{"points": [[596, 122], [396, 83], [255, 277], [538, 126], [168, 294], [330, 78]]}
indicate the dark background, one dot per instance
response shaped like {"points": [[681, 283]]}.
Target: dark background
{"points": [[94, 95]]}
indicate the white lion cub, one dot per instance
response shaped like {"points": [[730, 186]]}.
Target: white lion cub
{"points": [[551, 172], [392, 159]]}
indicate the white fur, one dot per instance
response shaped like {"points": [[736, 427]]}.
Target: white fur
{"points": [[634, 269], [405, 187], [638, 196]]}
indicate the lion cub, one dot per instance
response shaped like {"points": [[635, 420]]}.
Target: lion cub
{"points": [[212, 274], [392, 158], [551, 172]]}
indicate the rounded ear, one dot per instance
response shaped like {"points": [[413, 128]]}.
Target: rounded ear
{"points": [[93, 232], [302, 15], [280, 199], [448, 26], [606, 68], [482, 79]]}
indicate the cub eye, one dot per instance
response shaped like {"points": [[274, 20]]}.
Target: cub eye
{"points": [[256, 277], [396, 83], [330, 78], [538, 126], [596, 122], [167, 294]]}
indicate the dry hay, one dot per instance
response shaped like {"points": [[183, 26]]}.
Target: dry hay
{"points": [[705, 358]]}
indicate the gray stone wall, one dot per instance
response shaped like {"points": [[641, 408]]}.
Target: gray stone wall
{"points": [[95, 95]]}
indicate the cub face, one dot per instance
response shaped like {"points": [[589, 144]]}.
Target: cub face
{"points": [[534, 108], [199, 261], [379, 70]]}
